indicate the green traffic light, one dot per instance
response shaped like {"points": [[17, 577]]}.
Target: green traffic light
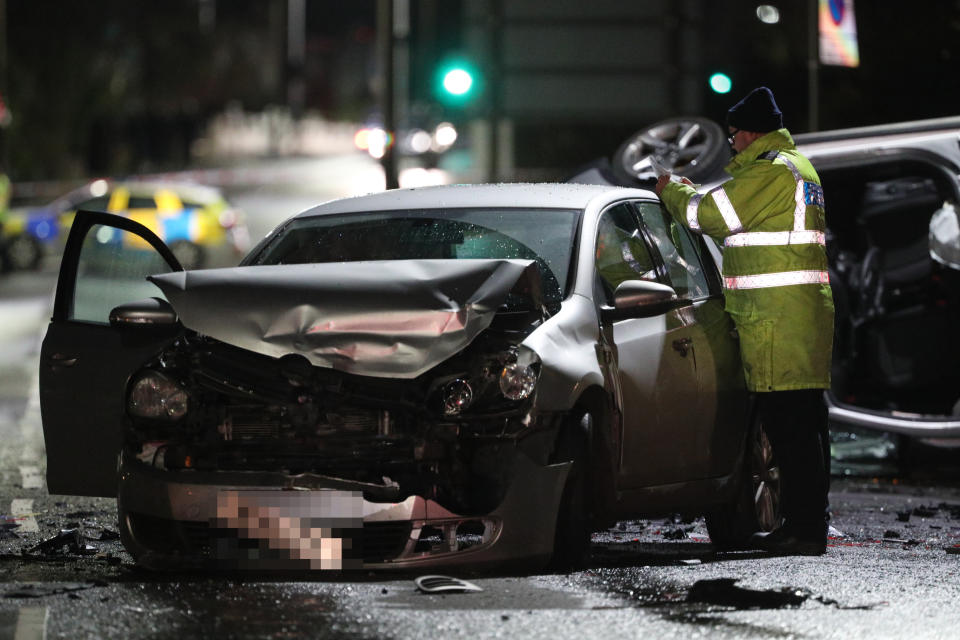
{"points": [[457, 81], [721, 83]]}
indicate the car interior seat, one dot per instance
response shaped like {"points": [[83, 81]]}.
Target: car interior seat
{"points": [[895, 216]]}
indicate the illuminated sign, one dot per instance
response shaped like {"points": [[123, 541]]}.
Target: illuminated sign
{"points": [[838, 33]]}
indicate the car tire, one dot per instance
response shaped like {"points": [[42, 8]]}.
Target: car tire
{"points": [[756, 503], [24, 252], [692, 147], [573, 529], [190, 254]]}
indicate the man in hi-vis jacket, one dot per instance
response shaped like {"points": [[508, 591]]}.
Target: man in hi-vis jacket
{"points": [[770, 220]]}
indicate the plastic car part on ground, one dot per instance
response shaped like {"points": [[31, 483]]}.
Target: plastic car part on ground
{"points": [[444, 584]]}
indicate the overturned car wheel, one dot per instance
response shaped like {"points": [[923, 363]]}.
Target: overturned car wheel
{"points": [[692, 147], [756, 504]]}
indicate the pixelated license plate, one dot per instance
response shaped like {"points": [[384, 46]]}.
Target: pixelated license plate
{"points": [[319, 529]]}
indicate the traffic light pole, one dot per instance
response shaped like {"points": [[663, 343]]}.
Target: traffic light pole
{"points": [[813, 65], [493, 72], [385, 42]]}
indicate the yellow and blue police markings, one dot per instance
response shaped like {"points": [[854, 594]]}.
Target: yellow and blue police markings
{"points": [[162, 209]]}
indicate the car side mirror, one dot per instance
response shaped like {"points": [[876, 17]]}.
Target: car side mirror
{"points": [[152, 313], [642, 299]]}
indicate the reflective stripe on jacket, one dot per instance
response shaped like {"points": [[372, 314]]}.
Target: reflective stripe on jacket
{"points": [[770, 220]]}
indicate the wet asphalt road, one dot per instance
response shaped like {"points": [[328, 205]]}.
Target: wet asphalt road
{"points": [[890, 571], [884, 578]]}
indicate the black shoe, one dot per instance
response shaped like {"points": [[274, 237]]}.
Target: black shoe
{"points": [[782, 542]]}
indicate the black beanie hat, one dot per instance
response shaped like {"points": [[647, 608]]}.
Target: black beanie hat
{"points": [[757, 112]]}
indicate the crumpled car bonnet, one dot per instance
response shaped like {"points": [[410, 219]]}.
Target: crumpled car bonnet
{"points": [[392, 318]]}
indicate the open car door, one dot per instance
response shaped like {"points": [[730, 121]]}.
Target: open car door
{"points": [[85, 363]]}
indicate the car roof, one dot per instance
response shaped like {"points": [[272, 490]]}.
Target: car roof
{"points": [[505, 195], [188, 190]]}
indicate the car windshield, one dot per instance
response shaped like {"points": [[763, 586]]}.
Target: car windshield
{"points": [[544, 235]]}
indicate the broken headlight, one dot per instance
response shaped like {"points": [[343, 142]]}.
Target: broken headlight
{"points": [[495, 385], [517, 381], [154, 395], [457, 396]]}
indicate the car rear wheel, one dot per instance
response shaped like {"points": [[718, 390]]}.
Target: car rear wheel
{"points": [[24, 252], [692, 147], [572, 537], [756, 504]]}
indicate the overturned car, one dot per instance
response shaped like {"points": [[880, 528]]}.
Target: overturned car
{"points": [[893, 242], [467, 375]]}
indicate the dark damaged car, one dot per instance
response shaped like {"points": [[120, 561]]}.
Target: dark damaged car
{"points": [[893, 243], [471, 375]]}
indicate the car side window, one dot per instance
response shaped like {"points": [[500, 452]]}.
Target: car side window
{"points": [[113, 268], [678, 251], [621, 253], [142, 202]]}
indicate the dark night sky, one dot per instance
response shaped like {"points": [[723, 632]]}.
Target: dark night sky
{"points": [[84, 78]]}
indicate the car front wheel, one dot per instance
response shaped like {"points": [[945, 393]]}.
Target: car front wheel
{"points": [[756, 504], [24, 252]]}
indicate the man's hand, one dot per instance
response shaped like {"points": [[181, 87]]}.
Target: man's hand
{"points": [[663, 180]]}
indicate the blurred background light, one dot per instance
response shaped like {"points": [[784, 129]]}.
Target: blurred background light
{"points": [[98, 188], [721, 83], [419, 141], [768, 14], [457, 81], [444, 135]]}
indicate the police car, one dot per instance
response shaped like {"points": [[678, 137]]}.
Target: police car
{"points": [[196, 221]]}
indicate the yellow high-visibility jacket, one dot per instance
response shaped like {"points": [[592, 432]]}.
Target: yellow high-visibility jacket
{"points": [[770, 221]]}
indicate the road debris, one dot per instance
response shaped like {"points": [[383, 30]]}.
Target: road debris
{"points": [[68, 541], [39, 590], [724, 592], [7, 526], [444, 584]]}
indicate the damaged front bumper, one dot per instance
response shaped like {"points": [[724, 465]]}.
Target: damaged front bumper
{"points": [[269, 520]]}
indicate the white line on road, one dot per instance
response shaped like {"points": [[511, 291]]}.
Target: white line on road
{"points": [[31, 624], [22, 510]]}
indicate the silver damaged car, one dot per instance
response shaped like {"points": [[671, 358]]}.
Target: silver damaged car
{"points": [[463, 375]]}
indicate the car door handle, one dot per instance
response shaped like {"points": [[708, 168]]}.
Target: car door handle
{"points": [[62, 360], [683, 345]]}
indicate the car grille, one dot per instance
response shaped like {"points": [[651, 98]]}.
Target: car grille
{"points": [[254, 423]]}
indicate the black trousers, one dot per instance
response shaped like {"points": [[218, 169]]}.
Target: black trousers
{"points": [[796, 424]]}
